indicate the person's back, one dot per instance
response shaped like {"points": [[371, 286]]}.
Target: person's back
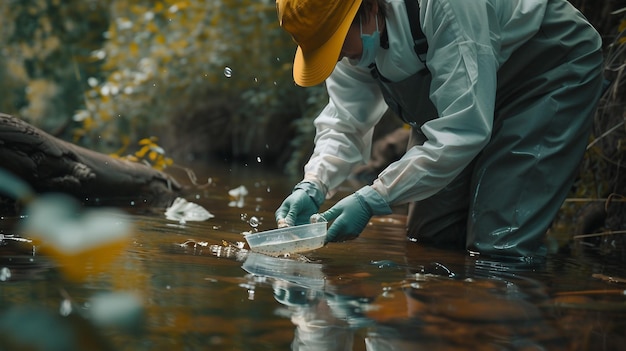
{"points": [[511, 89]]}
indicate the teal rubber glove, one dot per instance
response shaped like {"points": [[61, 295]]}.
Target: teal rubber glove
{"points": [[352, 213], [297, 208]]}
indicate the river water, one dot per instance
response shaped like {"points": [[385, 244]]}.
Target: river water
{"points": [[197, 290]]}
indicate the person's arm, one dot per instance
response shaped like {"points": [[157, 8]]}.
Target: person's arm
{"points": [[345, 127], [343, 140], [463, 63]]}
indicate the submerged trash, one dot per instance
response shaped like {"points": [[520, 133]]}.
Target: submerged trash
{"points": [[182, 210]]}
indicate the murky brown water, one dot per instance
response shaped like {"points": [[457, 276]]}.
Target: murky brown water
{"points": [[376, 293]]}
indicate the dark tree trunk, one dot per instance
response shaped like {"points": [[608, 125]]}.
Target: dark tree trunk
{"points": [[49, 164]]}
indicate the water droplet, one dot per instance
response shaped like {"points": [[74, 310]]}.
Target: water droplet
{"points": [[228, 72], [5, 274], [254, 222]]}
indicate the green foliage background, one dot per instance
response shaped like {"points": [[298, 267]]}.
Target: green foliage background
{"points": [[205, 77], [45, 52], [108, 73]]}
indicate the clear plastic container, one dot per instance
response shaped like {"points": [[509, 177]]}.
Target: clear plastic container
{"points": [[288, 240]]}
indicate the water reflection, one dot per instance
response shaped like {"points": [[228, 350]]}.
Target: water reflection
{"points": [[202, 290], [424, 310]]}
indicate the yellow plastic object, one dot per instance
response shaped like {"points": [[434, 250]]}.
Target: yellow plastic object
{"points": [[77, 266], [81, 241]]}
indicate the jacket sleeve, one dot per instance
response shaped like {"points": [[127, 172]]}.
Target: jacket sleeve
{"points": [[345, 126], [463, 65]]}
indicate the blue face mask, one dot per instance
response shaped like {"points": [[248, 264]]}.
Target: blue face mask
{"points": [[371, 42]]}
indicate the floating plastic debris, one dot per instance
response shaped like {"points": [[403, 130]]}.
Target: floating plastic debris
{"points": [[194, 244], [237, 195], [5, 274], [9, 237], [182, 211], [239, 191]]}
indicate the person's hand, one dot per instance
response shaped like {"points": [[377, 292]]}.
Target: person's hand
{"points": [[352, 213], [297, 208]]}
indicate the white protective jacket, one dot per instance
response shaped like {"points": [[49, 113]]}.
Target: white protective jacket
{"points": [[468, 41]]}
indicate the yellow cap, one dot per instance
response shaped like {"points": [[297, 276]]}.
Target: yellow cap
{"points": [[319, 27]]}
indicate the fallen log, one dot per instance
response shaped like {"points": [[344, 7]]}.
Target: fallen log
{"points": [[49, 164]]}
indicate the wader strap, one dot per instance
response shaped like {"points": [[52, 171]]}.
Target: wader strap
{"points": [[419, 39], [409, 98]]}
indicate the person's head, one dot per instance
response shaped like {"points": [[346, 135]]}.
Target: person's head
{"points": [[326, 31]]}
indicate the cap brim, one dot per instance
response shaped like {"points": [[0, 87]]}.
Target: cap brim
{"points": [[312, 68]]}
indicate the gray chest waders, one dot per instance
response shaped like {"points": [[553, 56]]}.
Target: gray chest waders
{"points": [[408, 98], [503, 202]]}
